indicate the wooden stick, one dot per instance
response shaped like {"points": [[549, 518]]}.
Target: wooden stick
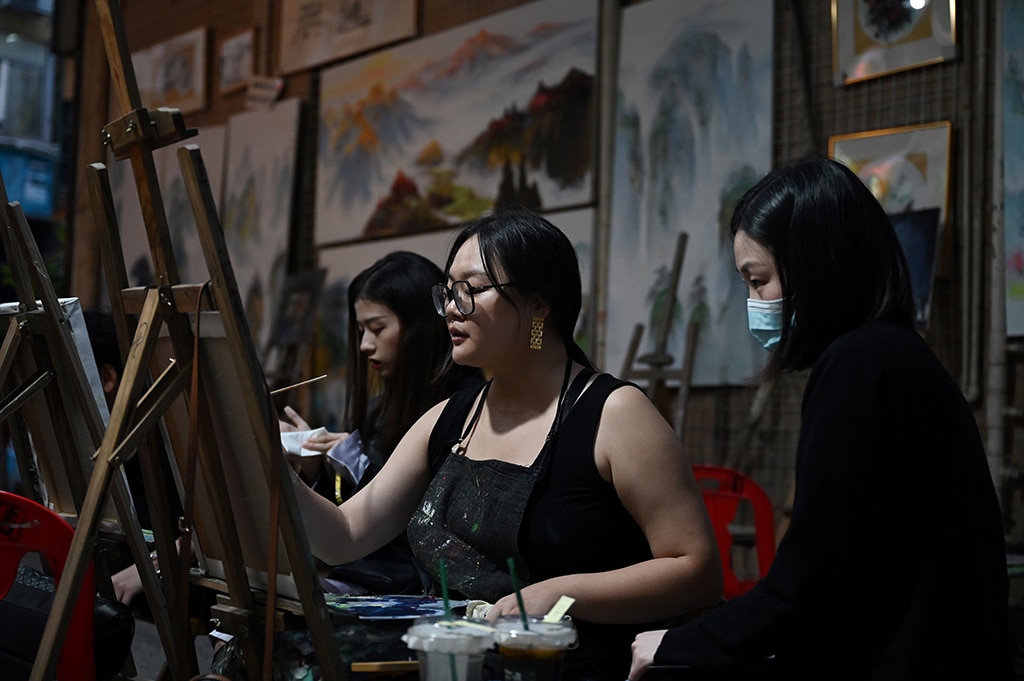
{"points": [[296, 385]]}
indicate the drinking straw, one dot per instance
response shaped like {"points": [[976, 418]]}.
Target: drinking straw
{"points": [[443, 575], [519, 595]]}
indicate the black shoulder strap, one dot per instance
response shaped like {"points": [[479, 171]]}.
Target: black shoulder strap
{"points": [[574, 392], [439, 445]]}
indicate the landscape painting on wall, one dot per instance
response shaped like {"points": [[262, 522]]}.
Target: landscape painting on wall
{"points": [[256, 214], [422, 136], [251, 167], [188, 254], [318, 31], [693, 132], [1013, 161]]}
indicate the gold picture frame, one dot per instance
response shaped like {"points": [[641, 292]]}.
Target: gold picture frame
{"points": [[871, 39], [906, 168], [235, 60]]}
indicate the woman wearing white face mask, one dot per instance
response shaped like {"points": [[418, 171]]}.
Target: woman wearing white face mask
{"points": [[894, 564]]}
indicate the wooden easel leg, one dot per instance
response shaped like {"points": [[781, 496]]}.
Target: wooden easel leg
{"points": [[292, 533], [95, 498], [158, 592]]}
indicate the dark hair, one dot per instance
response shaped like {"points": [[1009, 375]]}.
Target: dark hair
{"points": [[539, 258], [400, 281], [838, 259]]}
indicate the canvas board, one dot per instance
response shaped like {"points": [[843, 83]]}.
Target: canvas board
{"points": [[428, 134], [318, 31], [56, 488], [693, 131], [237, 449], [259, 181], [1011, 72], [181, 225]]}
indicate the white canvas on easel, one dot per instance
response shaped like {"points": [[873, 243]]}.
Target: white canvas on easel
{"points": [[55, 488]]}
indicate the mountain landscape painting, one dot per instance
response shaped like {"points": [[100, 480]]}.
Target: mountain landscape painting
{"points": [[693, 132], [1012, 76], [433, 132]]}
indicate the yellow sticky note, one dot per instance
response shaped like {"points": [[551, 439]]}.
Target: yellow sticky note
{"points": [[558, 610]]}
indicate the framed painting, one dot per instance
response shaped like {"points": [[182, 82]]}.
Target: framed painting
{"points": [[1011, 77], [872, 38], [688, 142], [173, 73], [905, 168], [235, 61], [429, 133], [319, 31]]}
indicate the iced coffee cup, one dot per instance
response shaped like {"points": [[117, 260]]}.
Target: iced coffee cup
{"points": [[535, 653], [450, 649]]}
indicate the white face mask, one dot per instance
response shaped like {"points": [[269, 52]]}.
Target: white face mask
{"points": [[764, 317]]}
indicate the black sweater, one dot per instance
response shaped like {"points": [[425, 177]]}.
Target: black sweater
{"points": [[894, 564]]}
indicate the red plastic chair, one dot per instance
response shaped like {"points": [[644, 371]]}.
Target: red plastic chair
{"points": [[27, 527], [723, 490]]}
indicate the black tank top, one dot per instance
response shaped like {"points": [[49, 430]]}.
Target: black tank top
{"points": [[573, 522]]}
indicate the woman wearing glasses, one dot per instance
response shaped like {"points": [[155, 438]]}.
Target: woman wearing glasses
{"points": [[572, 474]]}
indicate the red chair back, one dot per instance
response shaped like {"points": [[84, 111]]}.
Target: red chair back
{"points": [[723, 490], [27, 527]]}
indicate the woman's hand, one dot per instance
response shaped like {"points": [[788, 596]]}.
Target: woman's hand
{"points": [[308, 466], [644, 647], [294, 422], [127, 584], [537, 599]]}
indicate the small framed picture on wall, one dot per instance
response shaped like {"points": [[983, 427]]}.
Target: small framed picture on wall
{"points": [[872, 38], [173, 73], [235, 61]]}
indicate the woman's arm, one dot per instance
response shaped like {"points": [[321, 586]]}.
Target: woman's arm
{"points": [[642, 457], [377, 513]]}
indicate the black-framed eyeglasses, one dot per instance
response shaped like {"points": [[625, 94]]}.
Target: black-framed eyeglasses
{"points": [[462, 293]]}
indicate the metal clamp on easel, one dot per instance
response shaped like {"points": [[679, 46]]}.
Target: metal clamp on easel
{"points": [[159, 127]]}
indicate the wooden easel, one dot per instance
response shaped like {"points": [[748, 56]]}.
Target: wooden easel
{"points": [[174, 308], [660, 360], [53, 415]]}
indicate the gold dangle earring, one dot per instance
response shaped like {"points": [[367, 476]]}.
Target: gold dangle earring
{"points": [[536, 333]]}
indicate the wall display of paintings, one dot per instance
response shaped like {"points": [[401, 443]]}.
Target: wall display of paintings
{"points": [[871, 38], [693, 132], [906, 168], [259, 181], [173, 73], [188, 253], [235, 61], [343, 263], [318, 31], [434, 131], [1012, 83], [918, 232]]}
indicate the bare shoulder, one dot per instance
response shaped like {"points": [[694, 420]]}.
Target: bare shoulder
{"points": [[632, 429], [631, 404]]}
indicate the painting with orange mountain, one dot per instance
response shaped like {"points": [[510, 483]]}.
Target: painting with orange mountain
{"points": [[427, 134]]}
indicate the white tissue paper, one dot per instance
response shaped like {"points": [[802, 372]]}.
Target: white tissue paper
{"points": [[292, 442]]}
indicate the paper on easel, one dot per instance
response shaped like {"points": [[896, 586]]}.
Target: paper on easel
{"points": [[292, 442]]}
